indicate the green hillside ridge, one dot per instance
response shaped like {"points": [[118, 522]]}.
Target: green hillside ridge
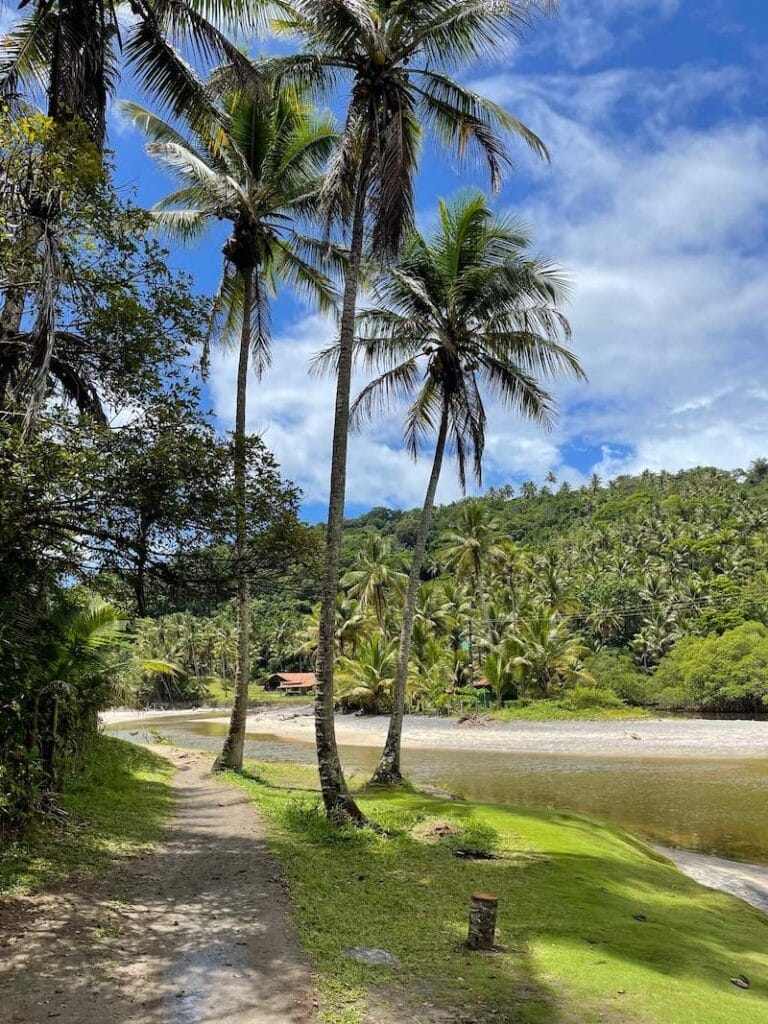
{"points": [[575, 596]]}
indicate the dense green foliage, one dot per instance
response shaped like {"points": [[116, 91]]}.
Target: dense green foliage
{"points": [[718, 673], [112, 475], [573, 595], [117, 806]]}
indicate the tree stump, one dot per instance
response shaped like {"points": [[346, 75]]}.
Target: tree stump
{"points": [[482, 921]]}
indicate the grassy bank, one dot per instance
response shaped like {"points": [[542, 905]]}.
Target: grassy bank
{"points": [[593, 926], [217, 696], [554, 711], [117, 807]]}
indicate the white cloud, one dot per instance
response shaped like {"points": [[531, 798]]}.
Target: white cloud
{"points": [[294, 414], [587, 30], [662, 227]]}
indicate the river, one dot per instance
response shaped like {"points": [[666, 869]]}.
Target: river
{"points": [[712, 806]]}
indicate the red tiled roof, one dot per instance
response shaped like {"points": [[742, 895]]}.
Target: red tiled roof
{"points": [[296, 680]]}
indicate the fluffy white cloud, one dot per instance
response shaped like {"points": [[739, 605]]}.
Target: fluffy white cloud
{"points": [[659, 214], [294, 413], [663, 228]]}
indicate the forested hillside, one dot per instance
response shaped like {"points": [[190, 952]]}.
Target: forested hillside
{"points": [[575, 595]]}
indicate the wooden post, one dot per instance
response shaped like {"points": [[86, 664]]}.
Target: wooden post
{"points": [[482, 920]]}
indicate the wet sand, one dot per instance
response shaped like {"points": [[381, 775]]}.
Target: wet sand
{"points": [[748, 882], [642, 737]]}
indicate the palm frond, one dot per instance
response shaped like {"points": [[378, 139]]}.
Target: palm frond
{"points": [[387, 389]]}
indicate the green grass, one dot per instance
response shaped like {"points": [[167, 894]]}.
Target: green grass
{"points": [[569, 889], [216, 697], [554, 711], [117, 807]]}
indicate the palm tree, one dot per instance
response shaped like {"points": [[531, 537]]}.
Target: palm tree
{"points": [[469, 549], [545, 653], [71, 50], [465, 312], [499, 671], [374, 578], [365, 681], [473, 544], [262, 175], [393, 53]]}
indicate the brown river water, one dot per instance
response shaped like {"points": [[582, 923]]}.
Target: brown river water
{"points": [[717, 807]]}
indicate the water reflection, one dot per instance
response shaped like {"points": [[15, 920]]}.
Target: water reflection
{"points": [[718, 807]]}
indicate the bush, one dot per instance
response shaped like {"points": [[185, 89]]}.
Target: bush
{"points": [[617, 672], [475, 840], [582, 698], [727, 673]]}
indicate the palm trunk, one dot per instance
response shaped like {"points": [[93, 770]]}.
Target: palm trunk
{"points": [[388, 771], [231, 756], [140, 585], [338, 802]]}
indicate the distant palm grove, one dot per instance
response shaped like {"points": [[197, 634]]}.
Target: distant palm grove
{"points": [[648, 591], [148, 557]]}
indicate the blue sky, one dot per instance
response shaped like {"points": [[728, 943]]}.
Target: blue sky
{"points": [[655, 203]]}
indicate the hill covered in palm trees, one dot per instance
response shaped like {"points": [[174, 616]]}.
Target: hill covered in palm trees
{"points": [[650, 590]]}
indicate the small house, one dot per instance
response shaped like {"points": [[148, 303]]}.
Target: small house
{"points": [[292, 684]]}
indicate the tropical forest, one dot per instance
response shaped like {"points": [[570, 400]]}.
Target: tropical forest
{"points": [[383, 512]]}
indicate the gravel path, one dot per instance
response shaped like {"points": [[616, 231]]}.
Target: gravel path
{"points": [[195, 931]]}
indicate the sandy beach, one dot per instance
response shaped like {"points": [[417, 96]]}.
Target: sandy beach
{"points": [[644, 737], [628, 737]]}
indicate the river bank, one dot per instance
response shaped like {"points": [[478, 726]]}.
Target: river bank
{"points": [[592, 926], [708, 812], [643, 737]]}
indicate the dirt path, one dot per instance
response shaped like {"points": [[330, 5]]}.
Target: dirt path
{"points": [[195, 932]]}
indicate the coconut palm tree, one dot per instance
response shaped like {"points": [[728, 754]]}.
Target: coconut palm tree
{"points": [[365, 681], [262, 174], [461, 314], [393, 54], [474, 543], [71, 51], [469, 549], [499, 672], [374, 578], [545, 653]]}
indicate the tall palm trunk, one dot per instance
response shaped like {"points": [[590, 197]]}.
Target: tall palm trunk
{"points": [[388, 770], [231, 756], [337, 799]]}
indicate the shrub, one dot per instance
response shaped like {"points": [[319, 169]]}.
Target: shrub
{"points": [[475, 840], [582, 698], [617, 672], [726, 673]]}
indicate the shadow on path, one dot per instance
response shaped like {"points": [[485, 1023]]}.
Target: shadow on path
{"points": [[195, 932]]}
